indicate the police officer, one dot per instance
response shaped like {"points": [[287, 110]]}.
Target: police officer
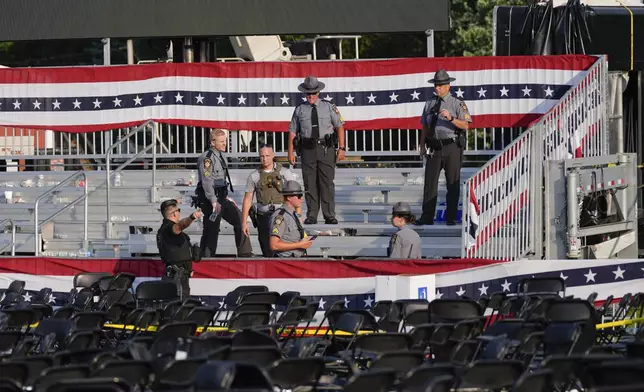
{"points": [[405, 243], [445, 120], [212, 196], [312, 128], [266, 184], [175, 248], [288, 238]]}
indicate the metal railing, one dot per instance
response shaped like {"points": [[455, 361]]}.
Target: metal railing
{"points": [[109, 173], [38, 224], [12, 244], [88, 150], [509, 188]]}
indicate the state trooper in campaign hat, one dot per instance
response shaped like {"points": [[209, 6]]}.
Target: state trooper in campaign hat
{"points": [[292, 188], [405, 243], [288, 238], [316, 133], [445, 120]]}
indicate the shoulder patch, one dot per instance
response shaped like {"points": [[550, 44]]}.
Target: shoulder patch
{"points": [[393, 239], [207, 166], [464, 106], [278, 220], [337, 111]]}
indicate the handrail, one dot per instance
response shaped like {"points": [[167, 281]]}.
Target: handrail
{"points": [[542, 142], [109, 172], [13, 236], [84, 197]]}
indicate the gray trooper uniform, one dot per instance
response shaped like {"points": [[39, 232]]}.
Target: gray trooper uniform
{"points": [[405, 243], [266, 186], [317, 151], [285, 223], [445, 143], [214, 183]]}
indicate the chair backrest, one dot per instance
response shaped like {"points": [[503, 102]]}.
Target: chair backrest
{"points": [[250, 338], [177, 330], [268, 297], [287, 297], [346, 321], [17, 286], [491, 374], [289, 373], [54, 375], [244, 320], [384, 342], [16, 371], [93, 384], [133, 371], [552, 285], [570, 311], [89, 279], [156, 291], [453, 310]]}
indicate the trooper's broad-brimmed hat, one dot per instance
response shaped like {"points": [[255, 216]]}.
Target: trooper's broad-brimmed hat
{"points": [[292, 188], [168, 203], [311, 85], [441, 77], [401, 208]]}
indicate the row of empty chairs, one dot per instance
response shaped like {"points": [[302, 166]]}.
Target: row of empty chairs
{"points": [[112, 336]]}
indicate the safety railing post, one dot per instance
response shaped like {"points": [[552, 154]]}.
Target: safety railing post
{"points": [[155, 135], [38, 224], [109, 172]]}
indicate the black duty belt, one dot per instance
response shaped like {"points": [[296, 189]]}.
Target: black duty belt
{"points": [[446, 142], [309, 142]]}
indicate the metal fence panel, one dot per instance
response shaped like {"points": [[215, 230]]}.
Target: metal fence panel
{"points": [[508, 189]]}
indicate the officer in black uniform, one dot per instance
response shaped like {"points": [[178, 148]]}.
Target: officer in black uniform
{"points": [[445, 120], [212, 197], [175, 248], [316, 127]]}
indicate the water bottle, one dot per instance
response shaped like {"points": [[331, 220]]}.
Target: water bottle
{"points": [[213, 216], [117, 179], [40, 181], [193, 178]]}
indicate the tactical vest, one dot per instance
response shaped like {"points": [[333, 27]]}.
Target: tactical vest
{"points": [[169, 252], [269, 187]]}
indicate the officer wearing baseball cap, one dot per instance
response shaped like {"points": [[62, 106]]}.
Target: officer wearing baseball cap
{"points": [[405, 243], [175, 248], [288, 238]]}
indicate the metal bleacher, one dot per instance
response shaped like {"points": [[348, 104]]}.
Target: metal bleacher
{"points": [[363, 198]]}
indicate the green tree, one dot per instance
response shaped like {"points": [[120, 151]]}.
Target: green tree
{"points": [[471, 33]]}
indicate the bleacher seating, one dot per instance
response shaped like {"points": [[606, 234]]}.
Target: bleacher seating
{"points": [[114, 336], [364, 199]]}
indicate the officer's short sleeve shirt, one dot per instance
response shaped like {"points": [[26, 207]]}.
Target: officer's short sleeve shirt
{"points": [[329, 118]]}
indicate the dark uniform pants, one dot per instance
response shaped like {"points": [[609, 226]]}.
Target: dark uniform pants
{"points": [[264, 233], [231, 214], [182, 278], [318, 170], [450, 158]]}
